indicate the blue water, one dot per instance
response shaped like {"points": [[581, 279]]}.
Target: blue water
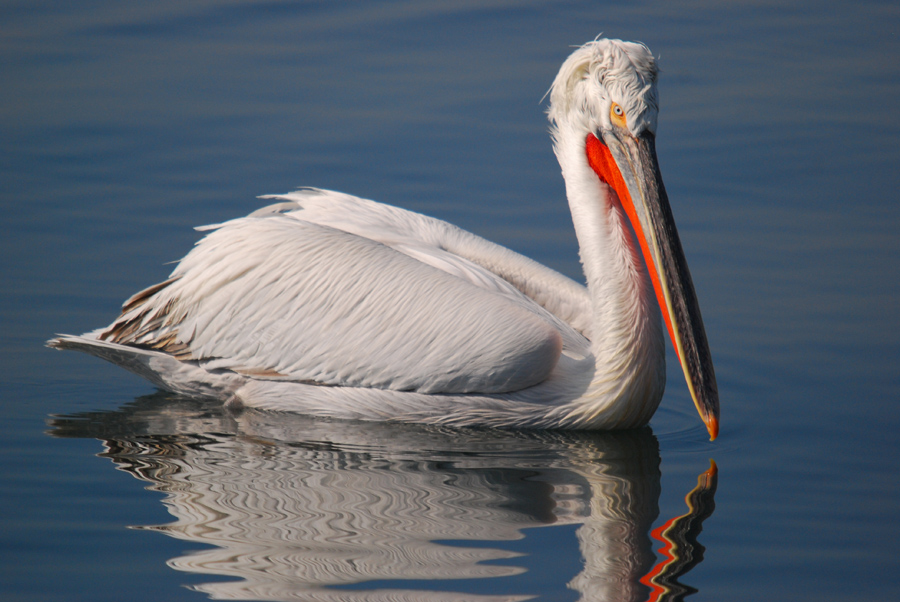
{"points": [[125, 124]]}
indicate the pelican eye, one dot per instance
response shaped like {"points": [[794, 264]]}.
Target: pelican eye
{"points": [[617, 115]]}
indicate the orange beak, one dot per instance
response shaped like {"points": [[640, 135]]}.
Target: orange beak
{"points": [[629, 166]]}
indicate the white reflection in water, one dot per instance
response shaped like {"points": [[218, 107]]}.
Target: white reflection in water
{"points": [[295, 506]]}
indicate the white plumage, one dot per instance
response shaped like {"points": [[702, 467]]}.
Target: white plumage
{"points": [[332, 305]]}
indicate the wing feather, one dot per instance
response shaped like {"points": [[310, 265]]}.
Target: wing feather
{"points": [[275, 296], [408, 231]]}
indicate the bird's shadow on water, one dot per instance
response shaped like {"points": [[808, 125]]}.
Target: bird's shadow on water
{"points": [[301, 508]]}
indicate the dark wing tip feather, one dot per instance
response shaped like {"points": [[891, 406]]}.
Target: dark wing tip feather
{"points": [[145, 325]]}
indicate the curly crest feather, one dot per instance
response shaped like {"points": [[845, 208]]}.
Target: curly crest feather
{"points": [[601, 72]]}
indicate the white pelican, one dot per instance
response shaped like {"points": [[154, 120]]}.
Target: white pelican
{"points": [[333, 305]]}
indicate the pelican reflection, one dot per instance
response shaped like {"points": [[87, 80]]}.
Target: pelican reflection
{"points": [[300, 508]]}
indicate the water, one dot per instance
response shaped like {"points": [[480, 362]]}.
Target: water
{"points": [[125, 124]]}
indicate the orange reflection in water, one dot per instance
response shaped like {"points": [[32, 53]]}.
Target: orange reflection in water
{"points": [[680, 550]]}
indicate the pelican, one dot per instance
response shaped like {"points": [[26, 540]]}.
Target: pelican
{"points": [[332, 305]]}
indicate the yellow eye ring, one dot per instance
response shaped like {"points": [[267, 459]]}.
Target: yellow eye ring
{"points": [[617, 115]]}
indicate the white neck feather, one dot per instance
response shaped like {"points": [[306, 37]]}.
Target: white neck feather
{"points": [[626, 329]]}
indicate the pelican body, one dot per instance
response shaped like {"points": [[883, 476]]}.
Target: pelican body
{"points": [[332, 305]]}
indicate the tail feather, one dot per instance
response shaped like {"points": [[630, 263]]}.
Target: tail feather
{"points": [[163, 370]]}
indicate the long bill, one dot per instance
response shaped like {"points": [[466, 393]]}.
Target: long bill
{"points": [[629, 166]]}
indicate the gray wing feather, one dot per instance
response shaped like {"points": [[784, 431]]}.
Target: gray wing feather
{"points": [[278, 297]]}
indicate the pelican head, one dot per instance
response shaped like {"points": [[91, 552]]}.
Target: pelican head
{"points": [[603, 108]]}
